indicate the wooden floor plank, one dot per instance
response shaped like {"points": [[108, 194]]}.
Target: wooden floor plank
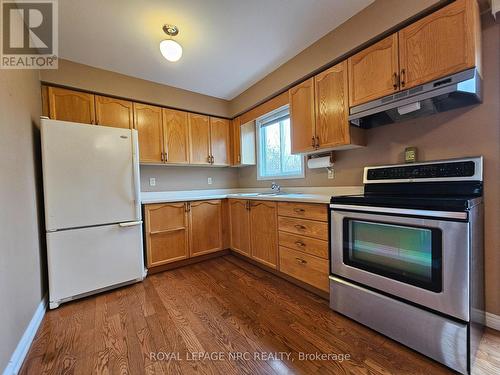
{"points": [[221, 305]]}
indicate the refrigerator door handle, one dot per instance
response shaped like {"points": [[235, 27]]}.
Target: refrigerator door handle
{"points": [[130, 224], [136, 174]]}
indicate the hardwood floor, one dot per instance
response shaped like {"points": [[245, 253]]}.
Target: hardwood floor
{"points": [[223, 305]]}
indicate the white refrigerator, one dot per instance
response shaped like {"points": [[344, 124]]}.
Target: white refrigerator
{"points": [[92, 208]]}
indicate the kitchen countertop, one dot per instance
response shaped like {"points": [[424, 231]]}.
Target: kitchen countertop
{"points": [[295, 194]]}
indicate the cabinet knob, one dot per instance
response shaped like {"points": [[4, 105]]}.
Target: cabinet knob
{"points": [[313, 142], [299, 210], [317, 142], [395, 81], [300, 243], [300, 227], [301, 261], [403, 77]]}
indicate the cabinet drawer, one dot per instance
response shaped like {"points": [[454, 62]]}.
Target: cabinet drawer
{"points": [[309, 228], [304, 267], [303, 210], [311, 246]]}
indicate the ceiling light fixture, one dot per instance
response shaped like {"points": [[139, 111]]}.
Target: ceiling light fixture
{"points": [[170, 49]]}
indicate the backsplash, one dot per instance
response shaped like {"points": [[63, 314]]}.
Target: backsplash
{"points": [[187, 178]]}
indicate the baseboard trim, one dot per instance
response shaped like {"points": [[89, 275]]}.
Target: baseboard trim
{"points": [[493, 321], [17, 358]]}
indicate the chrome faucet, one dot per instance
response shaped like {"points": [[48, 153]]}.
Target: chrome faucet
{"points": [[275, 187]]}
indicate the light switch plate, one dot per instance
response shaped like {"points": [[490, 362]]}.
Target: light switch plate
{"points": [[152, 181], [209, 181]]}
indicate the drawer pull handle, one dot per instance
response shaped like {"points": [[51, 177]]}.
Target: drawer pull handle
{"points": [[300, 227], [300, 243], [299, 210], [301, 261]]}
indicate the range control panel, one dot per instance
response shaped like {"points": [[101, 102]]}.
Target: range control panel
{"points": [[450, 170]]}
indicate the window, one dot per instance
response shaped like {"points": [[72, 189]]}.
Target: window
{"points": [[275, 160]]}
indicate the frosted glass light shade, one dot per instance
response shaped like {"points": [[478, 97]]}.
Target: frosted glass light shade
{"points": [[171, 50]]}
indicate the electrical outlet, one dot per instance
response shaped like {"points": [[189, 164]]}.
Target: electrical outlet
{"points": [[152, 181], [209, 181], [331, 174]]}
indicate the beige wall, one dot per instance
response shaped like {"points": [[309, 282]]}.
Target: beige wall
{"points": [[469, 131], [187, 178], [22, 255], [374, 20], [102, 81]]}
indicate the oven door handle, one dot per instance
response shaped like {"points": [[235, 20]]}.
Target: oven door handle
{"points": [[400, 211]]}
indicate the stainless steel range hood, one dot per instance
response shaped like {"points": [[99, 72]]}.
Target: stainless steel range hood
{"points": [[454, 91]]}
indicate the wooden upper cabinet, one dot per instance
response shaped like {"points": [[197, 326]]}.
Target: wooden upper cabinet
{"points": [[264, 232], [445, 42], [166, 233], [302, 118], [332, 107], [199, 133], [236, 141], [147, 121], [373, 72], [70, 105], [45, 101], [205, 227], [219, 141], [113, 112], [240, 226], [176, 136]]}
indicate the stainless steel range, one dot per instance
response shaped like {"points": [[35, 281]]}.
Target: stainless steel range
{"points": [[407, 256]]}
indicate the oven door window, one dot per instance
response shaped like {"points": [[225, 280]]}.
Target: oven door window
{"points": [[404, 253]]}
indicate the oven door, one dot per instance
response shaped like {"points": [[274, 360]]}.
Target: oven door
{"points": [[416, 257]]}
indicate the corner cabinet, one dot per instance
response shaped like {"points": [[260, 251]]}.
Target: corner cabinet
{"points": [[264, 232], [148, 122], [319, 111], [166, 226], [220, 152]]}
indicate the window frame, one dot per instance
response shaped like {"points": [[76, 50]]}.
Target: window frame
{"points": [[268, 117]]}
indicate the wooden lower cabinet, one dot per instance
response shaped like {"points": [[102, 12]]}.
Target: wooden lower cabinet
{"points": [[205, 227], [264, 233], [239, 218], [166, 233], [304, 267]]}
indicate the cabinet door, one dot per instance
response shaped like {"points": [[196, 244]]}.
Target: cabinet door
{"points": [[199, 135], [440, 44], [69, 105], [113, 112], [373, 71], [205, 227], [147, 121], [240, 226], [219, 141], [236, 141], [264, 232], [166, 233], [332, 107], [302, 121], [176, 136]]}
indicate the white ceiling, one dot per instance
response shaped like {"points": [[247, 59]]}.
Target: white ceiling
{"points": [[228, 44]]}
